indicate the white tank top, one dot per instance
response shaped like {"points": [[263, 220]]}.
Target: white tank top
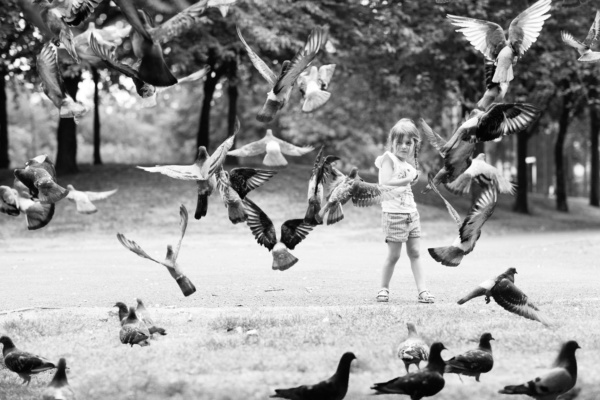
{"points": [[406, 202]]}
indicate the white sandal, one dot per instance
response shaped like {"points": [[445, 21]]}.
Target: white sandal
{"points": [[383, 296], [426, 297]]}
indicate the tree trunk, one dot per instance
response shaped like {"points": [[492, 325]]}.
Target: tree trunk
{"points": [[559, 161], [521, 205], [203, 137], [97, 158], [232, 94], [4, 158], [66, 156], [595, 156]]}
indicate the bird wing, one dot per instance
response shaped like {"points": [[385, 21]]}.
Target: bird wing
{"points": [[78, 10], [594, 31], [82, 201], [292, 150], [571, 41], [258, 63], [260, 224], [47, 66], [525, 29], [293, 231], [302, 59], [134, 247], [37, 215], [244, 180], [218, 156], [480, 211], [95, 196], [194, 76], [473, 360], [106, 52], [436, 140], [505, 119], [451, 209], [413, 348], [183, 221], [487, 37], [183, 172], [325, 75], [511, 298], [554, 382], [176, 25], [250, 149], [366, 194], [21, 361], [129, 11]]}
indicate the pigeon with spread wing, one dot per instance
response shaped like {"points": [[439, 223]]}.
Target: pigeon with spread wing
{"points": [[274, 147], [488, 284], [489, 38], [473, 362], [39, 176], [321, 174], [554, 383], [484, 174], [585, 48], [313, 84], [414, 349], [23, 363], [84, 200], [17, 200], [334, 388], [293, 231], [170, 262], [469, 229], [282, 84], [494, 91], [144, 315]]}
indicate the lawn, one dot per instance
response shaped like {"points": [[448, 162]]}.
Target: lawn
{"points": [[305, 317]]}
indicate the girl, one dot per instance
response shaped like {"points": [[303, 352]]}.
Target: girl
{"points": [[400, 218]]}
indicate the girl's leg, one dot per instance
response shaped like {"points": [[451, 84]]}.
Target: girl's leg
{"points": [[414, 254], [390, 262]]}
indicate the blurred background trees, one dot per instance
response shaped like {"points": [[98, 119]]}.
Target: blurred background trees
{"points": [[394, 59]]}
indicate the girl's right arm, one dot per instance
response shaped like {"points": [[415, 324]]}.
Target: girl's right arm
{"points": [[386, 174]]}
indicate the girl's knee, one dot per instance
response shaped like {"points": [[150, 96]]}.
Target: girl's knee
{"points": [[413, 253]]}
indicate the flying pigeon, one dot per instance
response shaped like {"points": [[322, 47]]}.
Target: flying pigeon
{"points": [[39, 176], [557, 381], [110, 35], [58, 388], [484, 174], [37, 215], [52, 84], [585, 49], [313, 83], [414, 349], [274, 147], [487, 285], [293, 231], [469, 229], [321, 173], [133, 331], [473, 362], [489, 37], [334, 388], [146, 319], [202, 171], [236, 184], [281, 85], [186, 286], [363, 194], [494, 91], [23, 363], [83, 200], [423, 383]]}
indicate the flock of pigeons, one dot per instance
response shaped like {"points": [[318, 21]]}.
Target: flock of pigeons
{"points": [[35, 190]]}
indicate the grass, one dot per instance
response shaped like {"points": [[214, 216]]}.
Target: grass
{"points": [[326, 306]]}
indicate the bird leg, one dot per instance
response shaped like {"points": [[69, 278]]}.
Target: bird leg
{"points": [[488, 294], [477, 377], [460, 377]]}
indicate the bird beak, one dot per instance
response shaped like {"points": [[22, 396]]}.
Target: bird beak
{"points": [[492, 339]]}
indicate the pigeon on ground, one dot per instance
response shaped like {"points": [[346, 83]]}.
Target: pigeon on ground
{"points": [[456, 160], [83, 200], [487, 285], [23, 363], [334, 388], [123, 311], [58, 388], [202, 171], [557, 381], [489, 37], [133, 331], [469, 229], [282, 84], [293, 231], [473, 362], [321, 173], [585, 49], [9, 201], [186, 286], [363, 194], [39, 176], [52, 84], [313, 83], [484, 174], [494, 91], [274, 147], [414, 349], [144, 315], [423, 383], [235, 185]]}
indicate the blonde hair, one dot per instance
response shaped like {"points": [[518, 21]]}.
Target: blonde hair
{"points": [[404, 128]]}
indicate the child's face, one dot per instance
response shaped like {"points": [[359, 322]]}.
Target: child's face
{"points": [[403, 147]]}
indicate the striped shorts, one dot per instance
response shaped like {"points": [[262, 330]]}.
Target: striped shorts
{"points": [[399, 227]]}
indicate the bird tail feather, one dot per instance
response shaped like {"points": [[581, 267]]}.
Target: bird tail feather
{"points": [[315, 101], [201, 206], [283, 260], [475, 293], [154, 71], [312, 212], [267, 113], [274, 159], [519, 389], [449, 256], [336, 214], [186, 286], [158, 330], [237, 213]]}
